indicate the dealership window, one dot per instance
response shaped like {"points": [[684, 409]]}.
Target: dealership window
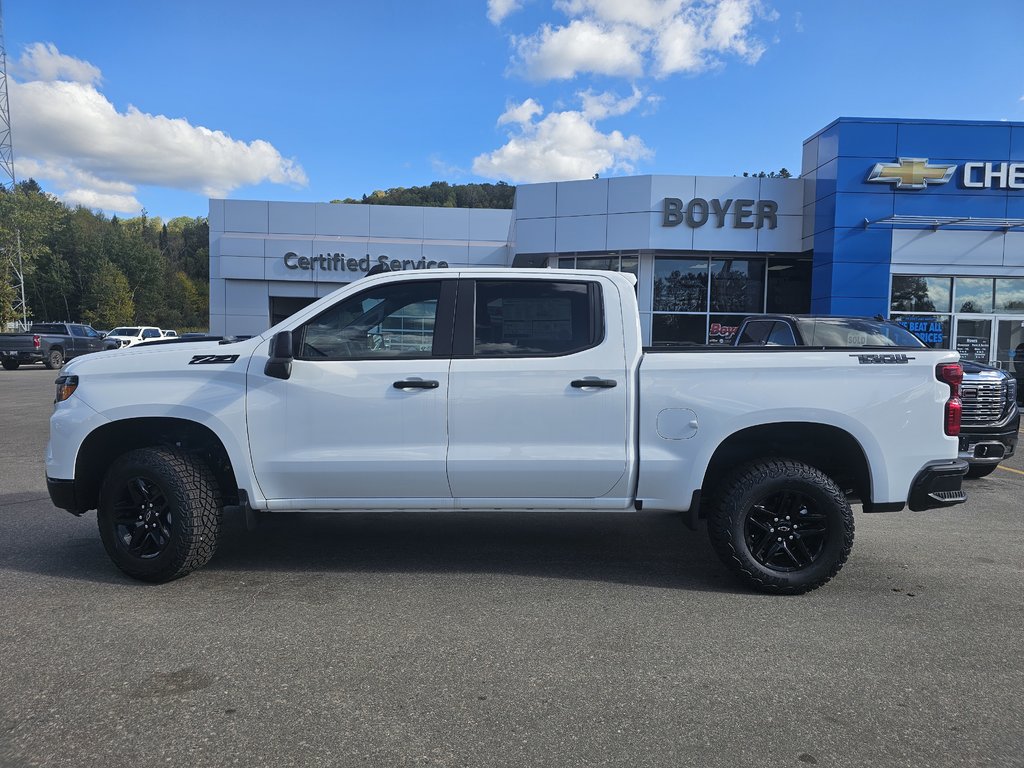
{"points": [[973, 295], [283, 307], [615, 262], [700, 299], [918, 293], [1010, 295]]}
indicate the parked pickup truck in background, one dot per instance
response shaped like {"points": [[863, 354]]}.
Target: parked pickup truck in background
{"points": [[502, 389], [48, 343], [990, 416], [126, 336]]}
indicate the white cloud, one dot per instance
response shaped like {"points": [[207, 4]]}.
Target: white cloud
{"points": [[598, 106], [521, 113], [42, 61], [497, 10], [625, 39], [566, 145], [78, 139], [583, 46]]}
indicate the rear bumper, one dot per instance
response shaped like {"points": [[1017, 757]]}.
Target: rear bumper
{"points": [[938, 484], [22, 356]]}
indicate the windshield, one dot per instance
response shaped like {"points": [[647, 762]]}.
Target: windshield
{"points": [[855, 332], [124, 332]]}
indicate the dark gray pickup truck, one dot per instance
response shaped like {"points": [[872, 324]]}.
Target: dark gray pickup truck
{"points": [[48, 343]]}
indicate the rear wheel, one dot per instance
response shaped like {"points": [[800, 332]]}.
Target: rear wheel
{"points": [[159, 514], [981, 470], [54, 360], [10, 365], [782, 526]]}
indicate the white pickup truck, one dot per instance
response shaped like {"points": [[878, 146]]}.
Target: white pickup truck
{"points": [[502, 389]]}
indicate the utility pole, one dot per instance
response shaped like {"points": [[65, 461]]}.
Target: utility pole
{"points": [[9, 181]]}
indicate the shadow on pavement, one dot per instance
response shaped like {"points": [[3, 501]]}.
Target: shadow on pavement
{"points": [[625, 548]]}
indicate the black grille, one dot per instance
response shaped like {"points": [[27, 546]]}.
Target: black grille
{"points": [[983, 402]]}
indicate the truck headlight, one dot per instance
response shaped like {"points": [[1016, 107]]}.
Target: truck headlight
{"points": [[66, 386]]}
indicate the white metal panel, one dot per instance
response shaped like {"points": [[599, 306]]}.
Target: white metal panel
{"points": [[488, 255], [682, 187], [915, 246], [247, 216], [535, 200], [235, 245], [292, 218], [726, 187], [727, 238], [247, 297], [446, 224], [453, 255], [343, 219], [396, 221], [629, 194], [245, 325], [785, 238], [215, 219], [1013, 249], [535, 236], [486, 224], [291, 288], [581, 198], [581, 233], [241, 267], [216, 296], [788, 193], [629, 231], [670, 238]]}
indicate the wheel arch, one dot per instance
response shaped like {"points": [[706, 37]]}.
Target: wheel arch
{"points": [[828, 448], [104, 444]]}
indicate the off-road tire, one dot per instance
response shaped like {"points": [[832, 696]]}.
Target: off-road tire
{"points": [[10, 365], [980, 470], [753, 488], [54, 359], [193, 520]]}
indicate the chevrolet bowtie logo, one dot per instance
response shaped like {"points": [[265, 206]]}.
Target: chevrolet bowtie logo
{"points": [[911, 173]]}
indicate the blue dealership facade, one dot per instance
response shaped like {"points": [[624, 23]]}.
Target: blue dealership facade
{"points": [[918, 220]]}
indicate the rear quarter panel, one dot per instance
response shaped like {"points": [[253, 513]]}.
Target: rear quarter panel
{"points": [[895, 411]]}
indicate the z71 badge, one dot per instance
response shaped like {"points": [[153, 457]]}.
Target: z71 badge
{"points": [[883, 359], [212, 359]]}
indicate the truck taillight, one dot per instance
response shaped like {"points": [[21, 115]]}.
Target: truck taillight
{"points": [[36, 342], [953, 375]]}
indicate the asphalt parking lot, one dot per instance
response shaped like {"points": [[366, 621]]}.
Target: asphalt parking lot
{"points": [[501, 639]]}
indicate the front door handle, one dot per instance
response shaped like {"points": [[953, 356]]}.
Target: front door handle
{"points": [[598, 383], [416, 384]]}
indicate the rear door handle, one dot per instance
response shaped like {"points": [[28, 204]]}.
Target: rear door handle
{"points": [[416, 384], [598, 383]]}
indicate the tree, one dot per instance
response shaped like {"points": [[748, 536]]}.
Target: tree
{"points": [[109, 298], [782, 173], [8, 297]]}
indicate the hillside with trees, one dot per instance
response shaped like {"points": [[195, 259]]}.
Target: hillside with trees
{"points": [[441, 194], [80, 265]]}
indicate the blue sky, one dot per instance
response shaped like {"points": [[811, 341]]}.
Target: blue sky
{"points": [[121, 106]]}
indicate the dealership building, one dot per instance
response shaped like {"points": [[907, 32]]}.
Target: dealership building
{"points": [[921, 221]]}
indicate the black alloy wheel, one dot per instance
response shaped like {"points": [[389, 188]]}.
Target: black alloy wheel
{"points": [[784, 531], [142, 518], [55, 359]]}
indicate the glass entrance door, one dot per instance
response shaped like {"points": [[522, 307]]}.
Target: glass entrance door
{"points": [[972, 338], [1010, 349]]}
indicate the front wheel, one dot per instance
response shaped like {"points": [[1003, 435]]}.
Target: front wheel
{"points": [[54, 360], [782, 526], [159, 514]]}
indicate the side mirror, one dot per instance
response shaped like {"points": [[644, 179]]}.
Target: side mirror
{"points": [[279, 366]]}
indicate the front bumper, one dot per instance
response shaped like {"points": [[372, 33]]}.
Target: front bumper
{"points": [[938, 484], [62, 494], [989, 447]]}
